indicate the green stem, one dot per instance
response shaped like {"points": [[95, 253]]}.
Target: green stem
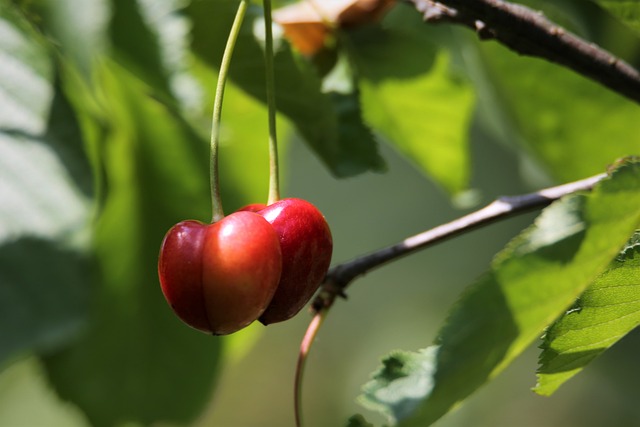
{"points": [[274, 174], [305, 347], [216, 201]]}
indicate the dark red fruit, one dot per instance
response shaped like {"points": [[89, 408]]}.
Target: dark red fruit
{"points": [[254, 207], [306, 243], [220, 277]]}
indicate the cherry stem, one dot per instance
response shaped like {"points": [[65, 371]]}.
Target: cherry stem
{"points": [[274, 174], [305, 347], [216, 200]]}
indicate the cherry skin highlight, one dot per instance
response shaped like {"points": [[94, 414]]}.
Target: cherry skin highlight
{"points": [[307, 246], [220, 277]]}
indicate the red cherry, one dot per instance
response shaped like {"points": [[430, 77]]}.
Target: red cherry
{"points": [[254, 207], [220, 277], [307, 245]]}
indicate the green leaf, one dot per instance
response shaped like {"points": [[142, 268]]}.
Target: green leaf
{"points": [[411, 96], [628, 11], [135, 44], [26, 77], [607, 311], [43, 308], [137, 362], [561, 117], [400, 385], [536, 277], [151, 39], [427, 119], [146, 365], [45, 188], [299, 95], [78, 28], [354, 137]]}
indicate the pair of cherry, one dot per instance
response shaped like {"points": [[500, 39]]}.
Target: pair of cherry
{"points": [[261, 262]]}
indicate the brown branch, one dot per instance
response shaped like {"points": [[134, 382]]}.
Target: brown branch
{"points": [[340, 276], [529, 32]]}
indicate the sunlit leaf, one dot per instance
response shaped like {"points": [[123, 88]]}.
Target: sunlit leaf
{"points": [[607, 311], [400, 385], [78, 28], [137, 46], [151, 38], [411, 96], [537, 276], [45, 189], [26, 77], [573, 126]]}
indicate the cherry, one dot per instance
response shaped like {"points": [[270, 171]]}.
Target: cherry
{"points": [[307, 245], [254, 207], [220, 277]]}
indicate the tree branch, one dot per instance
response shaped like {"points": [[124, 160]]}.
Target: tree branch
{"points": [[340, 276], [529, 32]]}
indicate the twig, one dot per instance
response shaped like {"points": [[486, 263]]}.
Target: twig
{"points": [[529, 32], [340, 276]]}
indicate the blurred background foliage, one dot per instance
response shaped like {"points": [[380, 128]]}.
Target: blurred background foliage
{"points": [[104, 124]]}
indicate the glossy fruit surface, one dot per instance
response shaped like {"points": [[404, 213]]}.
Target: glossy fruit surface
{"points": [[254, 207], [307, 245], [220, 277]]}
